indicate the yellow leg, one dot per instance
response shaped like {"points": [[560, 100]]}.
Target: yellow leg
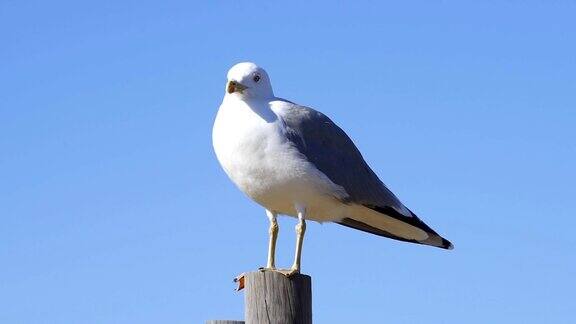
{"points": [[300, 230], [273, 232]]}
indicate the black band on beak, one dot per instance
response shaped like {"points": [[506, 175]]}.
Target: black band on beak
{"points": [[235, 86], [231, 87]]}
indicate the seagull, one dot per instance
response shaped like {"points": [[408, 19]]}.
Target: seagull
{"points": [[295, 161]]}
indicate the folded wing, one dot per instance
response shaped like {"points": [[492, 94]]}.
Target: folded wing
{"points": [[374, 208]]}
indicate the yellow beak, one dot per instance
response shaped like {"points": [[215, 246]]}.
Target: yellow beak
{"points": [[234, 86]]}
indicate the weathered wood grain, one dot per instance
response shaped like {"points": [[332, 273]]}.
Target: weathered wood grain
{"points": [[272, 298]]}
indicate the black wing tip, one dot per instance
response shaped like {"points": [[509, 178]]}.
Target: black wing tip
{"points": [[447, 244]]}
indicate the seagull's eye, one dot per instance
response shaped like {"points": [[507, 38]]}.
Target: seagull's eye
{"points": [[256, 78]]}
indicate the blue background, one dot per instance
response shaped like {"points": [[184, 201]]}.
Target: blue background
{"points": [[114, 209]]}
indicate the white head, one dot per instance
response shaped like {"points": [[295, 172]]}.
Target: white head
{"points": [[248, 80]]}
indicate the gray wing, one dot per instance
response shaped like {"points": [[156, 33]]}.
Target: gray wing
{"points": [[327, 146]]}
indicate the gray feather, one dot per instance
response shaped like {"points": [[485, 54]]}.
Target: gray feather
{"points": [[328, 147]]}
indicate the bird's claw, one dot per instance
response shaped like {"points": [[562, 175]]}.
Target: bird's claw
{"points": [[239, 280], [287, 272], [291, 272]]}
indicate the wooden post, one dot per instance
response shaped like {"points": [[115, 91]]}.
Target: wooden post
{"points": [[271, 297]]}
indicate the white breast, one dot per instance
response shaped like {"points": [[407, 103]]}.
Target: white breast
{"points": [[248, 147], [254, 152]]}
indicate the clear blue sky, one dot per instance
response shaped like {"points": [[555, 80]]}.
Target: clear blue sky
{"points": [[113, 208]]}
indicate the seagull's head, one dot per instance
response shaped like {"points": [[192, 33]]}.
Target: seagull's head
{"points": [[248, 80]]}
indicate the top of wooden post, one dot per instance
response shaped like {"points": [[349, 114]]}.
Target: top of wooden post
{"points": [[272, 297]]}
